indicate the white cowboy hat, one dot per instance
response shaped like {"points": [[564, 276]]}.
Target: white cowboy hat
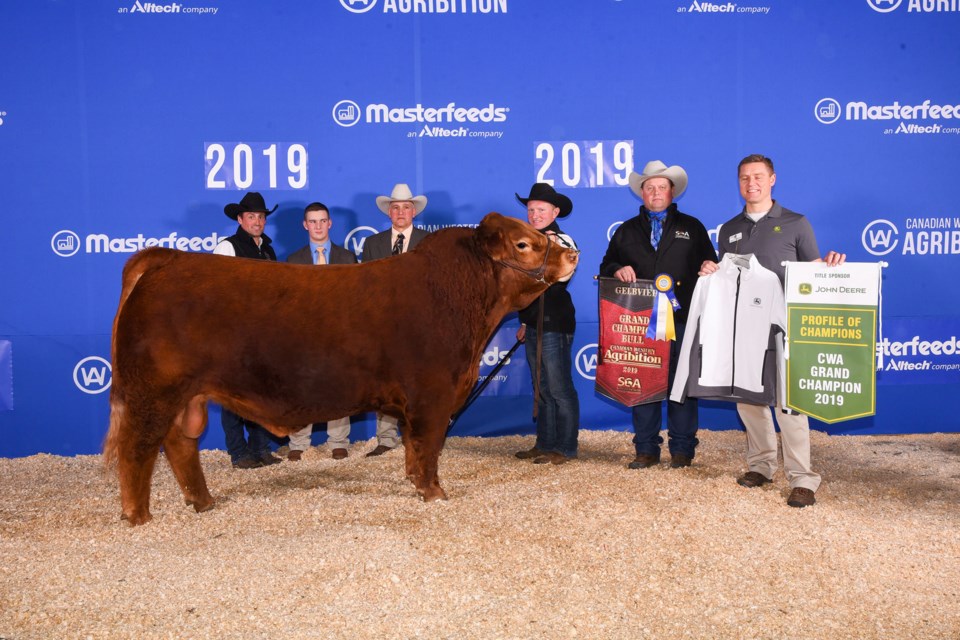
{"points": [[401, 193], [656, 169]]}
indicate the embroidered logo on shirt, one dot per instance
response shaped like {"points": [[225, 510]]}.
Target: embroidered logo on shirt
{"points": [[757, 302], [777, 229], [683, 235]]}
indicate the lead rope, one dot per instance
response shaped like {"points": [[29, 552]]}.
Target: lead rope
{"points": [[536, 381]]}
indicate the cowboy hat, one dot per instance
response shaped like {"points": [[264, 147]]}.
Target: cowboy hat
{"points": [[656, 169], [401, 193], [545, 193], [252, 202]]}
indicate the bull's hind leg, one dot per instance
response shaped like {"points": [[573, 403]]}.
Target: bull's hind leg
{"points": [[183, 454], [426, 438], [138, 442]]}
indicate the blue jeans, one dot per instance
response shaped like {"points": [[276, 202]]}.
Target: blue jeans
{"points": [[558, 412], [237, 446], [682, 417]]}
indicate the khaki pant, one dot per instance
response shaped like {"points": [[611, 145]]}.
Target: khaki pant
{"points": [[338, 435], [387, 433], [762, 444]]}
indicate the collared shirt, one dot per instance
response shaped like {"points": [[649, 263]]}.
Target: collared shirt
{"points": [[394, 232], [326, 250], [781, 235]]}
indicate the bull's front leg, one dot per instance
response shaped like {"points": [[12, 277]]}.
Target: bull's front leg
{"points": [[424, 441]]}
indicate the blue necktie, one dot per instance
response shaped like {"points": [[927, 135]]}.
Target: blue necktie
{"points": [[656, 226]]}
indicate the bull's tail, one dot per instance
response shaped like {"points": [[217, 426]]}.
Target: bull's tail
{"points": [[136, 266]]}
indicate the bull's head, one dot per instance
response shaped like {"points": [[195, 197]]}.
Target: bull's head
{"points": [[531, 259]]}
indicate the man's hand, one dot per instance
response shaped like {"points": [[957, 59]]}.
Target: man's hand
{"points": [[834, 259], [708, 267], [522, 333], [626, 274]]}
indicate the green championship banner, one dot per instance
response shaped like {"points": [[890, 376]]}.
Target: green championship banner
{"points": [[831, 339], [632, 364]]}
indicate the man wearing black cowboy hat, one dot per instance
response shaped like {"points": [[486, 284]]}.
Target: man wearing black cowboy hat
{"points": [[558, 407], [248, 242], [661, 239]]}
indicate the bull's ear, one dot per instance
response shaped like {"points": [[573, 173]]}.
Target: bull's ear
{"points": [[490, 235]]}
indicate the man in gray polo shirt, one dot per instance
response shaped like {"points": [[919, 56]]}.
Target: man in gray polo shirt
{"points": [[774, 235]]}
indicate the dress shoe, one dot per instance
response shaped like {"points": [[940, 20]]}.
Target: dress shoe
{"points": [[801, 497], [338, 454], [753, 479], [529, 453], [552, 457], [294, 455], [680, 461], [247, 463], [267, 459], [644, 461], [379, 450]]}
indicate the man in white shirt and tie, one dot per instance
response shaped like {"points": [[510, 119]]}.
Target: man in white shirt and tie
{"points": [[321, 251], [402, 207]]}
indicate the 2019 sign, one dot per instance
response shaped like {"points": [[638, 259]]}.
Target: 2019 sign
{"points": [[254, 165], [588, 163]]}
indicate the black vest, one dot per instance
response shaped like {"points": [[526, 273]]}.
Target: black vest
{"points": [[245, 247]]}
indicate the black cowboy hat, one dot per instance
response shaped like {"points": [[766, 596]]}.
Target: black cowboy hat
{"points": [[545, 193], [252, 202]]}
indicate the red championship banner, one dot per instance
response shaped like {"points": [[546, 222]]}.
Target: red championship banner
{"points": [[631, 367]]}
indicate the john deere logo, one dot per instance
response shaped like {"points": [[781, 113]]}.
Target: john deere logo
{"points": [[777, 229], [806, 288]]}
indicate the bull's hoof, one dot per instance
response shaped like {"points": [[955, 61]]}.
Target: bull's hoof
{"points": [[431, 494], [201, 505], [136, 520]]}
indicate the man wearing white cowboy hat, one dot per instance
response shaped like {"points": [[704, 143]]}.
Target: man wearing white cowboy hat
{"points": [[402, 207], [661, 239], [248, 242]]}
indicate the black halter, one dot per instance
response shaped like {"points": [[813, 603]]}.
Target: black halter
{"points": [[536, 274]]}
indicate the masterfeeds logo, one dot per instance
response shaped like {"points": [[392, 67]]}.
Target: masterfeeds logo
{"points": [[348, 113], [93, 375], [933, 236], [66, 243], [929, 115], [427, 6], [827, 111]]}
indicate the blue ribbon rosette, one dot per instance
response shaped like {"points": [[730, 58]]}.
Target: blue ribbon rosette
{"points": [[661, 325]]}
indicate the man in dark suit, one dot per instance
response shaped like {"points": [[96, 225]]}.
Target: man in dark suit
{"points": [[402, 207], [321, 251]]}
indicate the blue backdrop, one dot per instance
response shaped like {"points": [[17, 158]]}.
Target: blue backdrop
{"points": [[126, 123]]}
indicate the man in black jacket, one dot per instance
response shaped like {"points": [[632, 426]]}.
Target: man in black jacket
{"points": [[248, 242], [661, 239], [558, 406]]}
